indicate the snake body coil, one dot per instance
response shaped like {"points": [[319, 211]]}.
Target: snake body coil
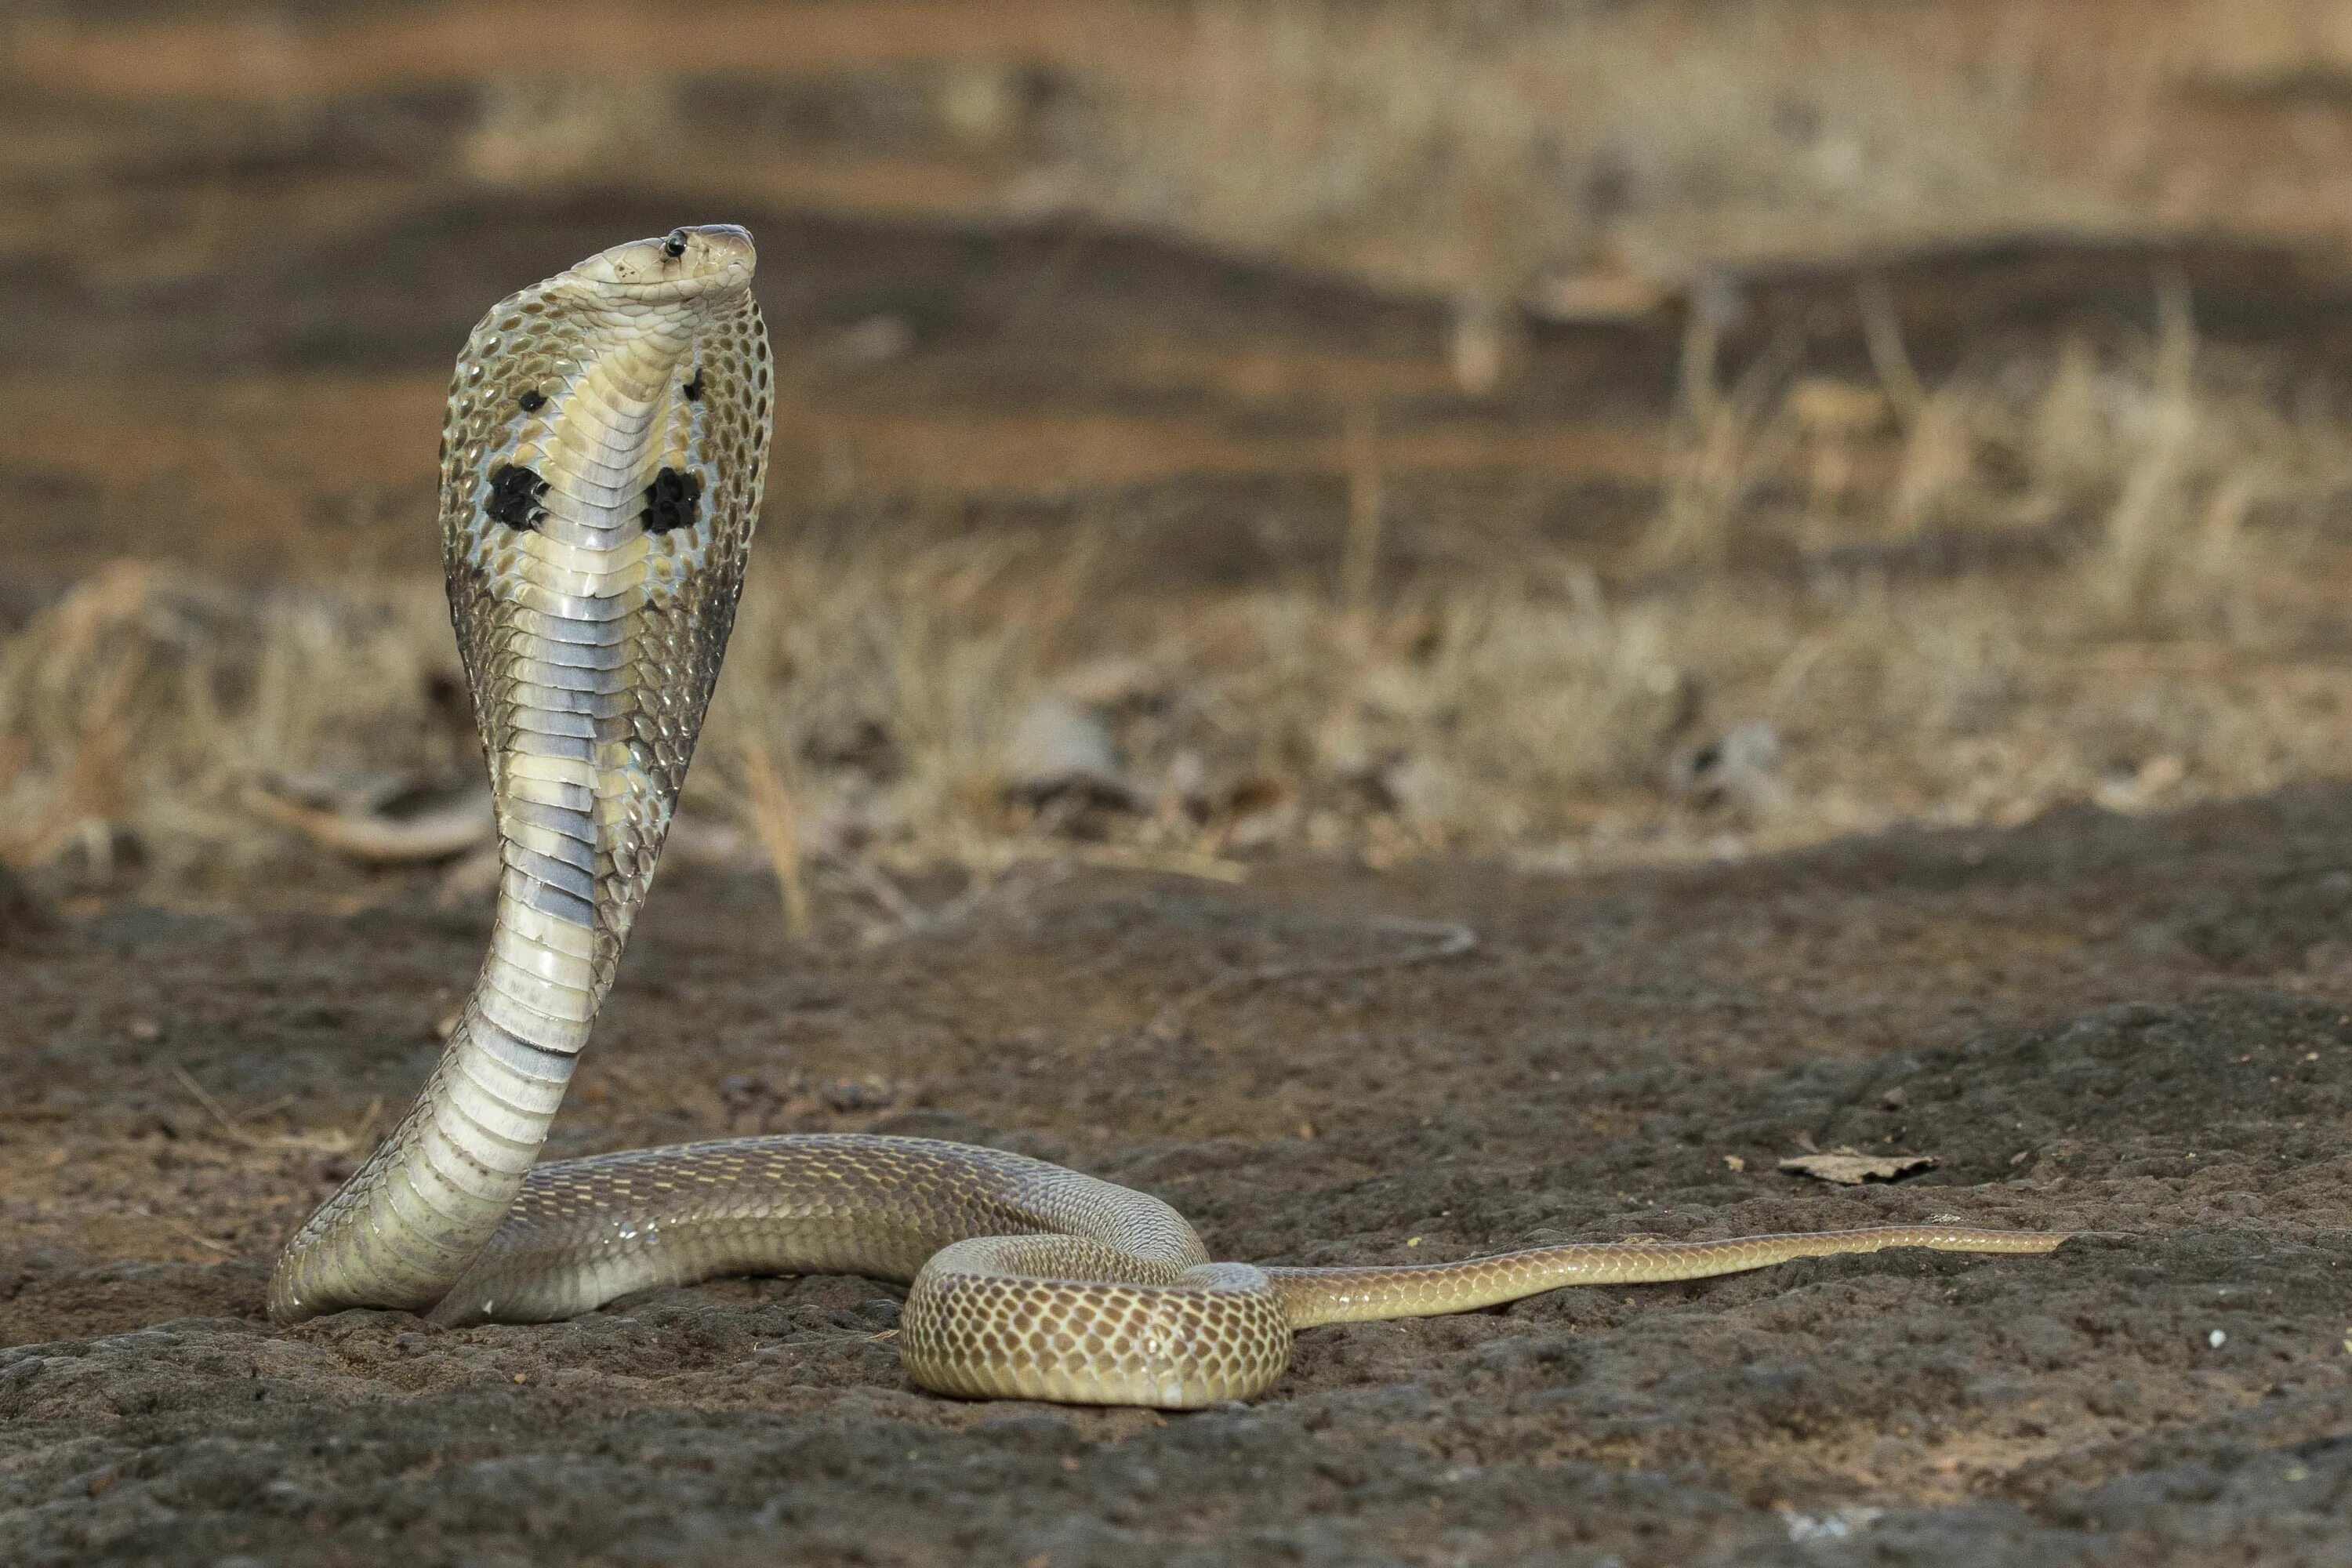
{"points": [[601, 474]]}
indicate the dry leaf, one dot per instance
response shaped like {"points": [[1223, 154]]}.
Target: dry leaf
{"points": [[1848, 1169]]}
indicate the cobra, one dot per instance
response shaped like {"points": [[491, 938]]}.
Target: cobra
{"points": [[602, 467]]}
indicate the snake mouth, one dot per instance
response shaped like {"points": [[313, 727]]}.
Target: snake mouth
{"points": [[693, 262]]}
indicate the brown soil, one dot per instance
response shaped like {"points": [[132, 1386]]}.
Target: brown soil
{"points": [[2136, 1027]]}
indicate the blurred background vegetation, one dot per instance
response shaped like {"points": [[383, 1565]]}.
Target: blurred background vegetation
{"points": [[1572, 432]]}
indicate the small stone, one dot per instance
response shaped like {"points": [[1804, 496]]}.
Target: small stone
{"points": [[1738, 768], [844, 1094], [1059, 748], [1427, 791], [1846, 1168]]}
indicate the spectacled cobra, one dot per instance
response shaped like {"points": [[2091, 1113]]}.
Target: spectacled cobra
{"points": [[601, 473]]}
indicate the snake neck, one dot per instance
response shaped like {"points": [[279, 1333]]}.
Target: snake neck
{"points": [[583, 806]]}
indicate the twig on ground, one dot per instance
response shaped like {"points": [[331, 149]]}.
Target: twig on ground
{"points": [[220, 1113], [185, 1233], [1882, 335], [1164, 862], [1449, 939], [435, 834], [872, 881]]}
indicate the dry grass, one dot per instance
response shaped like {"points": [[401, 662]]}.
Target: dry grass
{"points": [[2145, 461], [1489, 152], [1483, 151], [137, 712], [1813, 662], [2094, 575]]}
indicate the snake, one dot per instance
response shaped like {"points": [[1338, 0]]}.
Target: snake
{"points": [[602, 464]]}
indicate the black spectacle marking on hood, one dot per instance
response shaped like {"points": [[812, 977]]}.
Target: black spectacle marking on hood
{"points": [[515, 494], [694, 388], [532, 401], [671, 501]]}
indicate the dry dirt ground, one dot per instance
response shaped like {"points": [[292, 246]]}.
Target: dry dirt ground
{"points": [[2136, 1027]]}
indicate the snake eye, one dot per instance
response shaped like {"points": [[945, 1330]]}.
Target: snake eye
{"points": [[675, 246]]}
